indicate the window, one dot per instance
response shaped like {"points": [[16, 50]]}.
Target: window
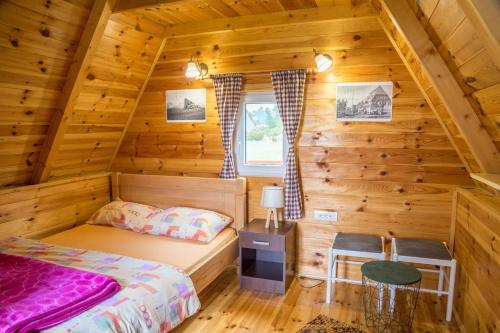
{"points": [[260, 144]]}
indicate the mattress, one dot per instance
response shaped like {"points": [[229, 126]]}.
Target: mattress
{"points": [[186, 255]]}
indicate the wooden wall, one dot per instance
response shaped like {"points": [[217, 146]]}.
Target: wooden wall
{"points": [[468, 59], [37, 44], [477, 250], [38, 210], [113, 82], [38, 40], [393, 178]]}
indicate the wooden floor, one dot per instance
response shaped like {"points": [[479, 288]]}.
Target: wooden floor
{"points": [[226, 308]]}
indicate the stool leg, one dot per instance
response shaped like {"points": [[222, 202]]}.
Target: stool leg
{"points": [[334, 273], [441, 280], [451, 289], [392, 289], [329, 277]]}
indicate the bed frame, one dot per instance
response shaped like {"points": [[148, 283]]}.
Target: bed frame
{"points": [[226, 196]]}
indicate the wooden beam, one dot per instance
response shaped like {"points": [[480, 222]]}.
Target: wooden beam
{"points": [[138, 100], [437, 73], [238, 23], [92, 34], [412, 68], [484, 16], [491, 180], [122, 5]]}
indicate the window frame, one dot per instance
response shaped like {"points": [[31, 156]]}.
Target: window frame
{"points": [[259, 170]]}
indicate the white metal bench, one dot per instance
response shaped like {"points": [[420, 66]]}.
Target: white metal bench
{"points": [[428, 252], [351, 245]]}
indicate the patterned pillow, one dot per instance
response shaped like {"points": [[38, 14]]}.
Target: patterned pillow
{"points": [[176, 222], [125, 215], [188, 223]]}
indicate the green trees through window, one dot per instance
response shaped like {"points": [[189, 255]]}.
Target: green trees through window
{"points": [[263, 134]]}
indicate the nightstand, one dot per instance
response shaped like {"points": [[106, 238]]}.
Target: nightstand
{"points": [[267, 256]]}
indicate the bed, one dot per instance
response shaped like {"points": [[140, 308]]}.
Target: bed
{"points": [[204, 262], [94, 244]]}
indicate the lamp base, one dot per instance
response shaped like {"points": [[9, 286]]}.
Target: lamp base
{"points": [[274, 212]]}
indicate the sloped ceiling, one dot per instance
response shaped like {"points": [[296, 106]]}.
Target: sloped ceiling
{"points": [[39, 38], [457, 111], [466, 55], [112, 84]]}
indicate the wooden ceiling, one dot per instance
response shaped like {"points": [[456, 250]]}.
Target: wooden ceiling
{"points": [[460, 43], [177, 12], [39, 40]]}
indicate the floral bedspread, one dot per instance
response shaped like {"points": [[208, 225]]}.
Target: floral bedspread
{"points": [[154, 297]]}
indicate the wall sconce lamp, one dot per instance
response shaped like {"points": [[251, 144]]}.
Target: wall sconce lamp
{"points": [[196, 69], [323, 61]]}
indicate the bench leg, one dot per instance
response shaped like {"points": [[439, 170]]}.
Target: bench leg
{"points": [[329, 277], [334, 273], [451, 290], [441, 280], [392, 289]]}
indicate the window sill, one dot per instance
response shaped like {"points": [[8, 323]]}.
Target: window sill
{"points": [[279, 173]]}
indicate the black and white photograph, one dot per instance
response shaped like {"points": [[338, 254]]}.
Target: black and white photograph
{"points": [[186, 105], [364, 101]]}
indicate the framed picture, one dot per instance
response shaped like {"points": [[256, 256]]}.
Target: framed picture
{"points": [[364, 101], [186, 106]]}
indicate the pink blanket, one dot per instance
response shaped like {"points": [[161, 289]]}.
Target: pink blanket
{"points": [[36, 295]]}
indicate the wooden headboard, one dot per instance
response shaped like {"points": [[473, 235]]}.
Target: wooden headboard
{"points": [[226, 196]]}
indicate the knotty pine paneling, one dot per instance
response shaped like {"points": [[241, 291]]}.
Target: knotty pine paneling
{"points": [[113, 82], [431, 93], [38, 40], [38, 210], [392, 179], [477, 250], [194, 11], [466, 56]]}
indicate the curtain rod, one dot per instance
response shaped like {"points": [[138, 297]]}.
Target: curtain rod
{"points": [[308, 71], [261, 73]]}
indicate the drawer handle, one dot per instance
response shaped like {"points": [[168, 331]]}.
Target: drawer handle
{"points": [[260, 243]]}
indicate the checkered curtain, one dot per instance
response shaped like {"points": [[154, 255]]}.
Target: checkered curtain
{"points": [[227, 93], [288, 87]]}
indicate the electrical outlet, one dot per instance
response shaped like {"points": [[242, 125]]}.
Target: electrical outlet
{"points": [[325, 215]]}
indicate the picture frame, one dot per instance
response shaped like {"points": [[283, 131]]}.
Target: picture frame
{"points": [[186, 106], [364, 101]]}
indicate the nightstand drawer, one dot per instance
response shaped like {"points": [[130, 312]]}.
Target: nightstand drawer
{"points": [[262, 241]]}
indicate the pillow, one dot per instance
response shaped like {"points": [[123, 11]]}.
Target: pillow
{"points": [[176, 222], [188, 223], [125, 215]]}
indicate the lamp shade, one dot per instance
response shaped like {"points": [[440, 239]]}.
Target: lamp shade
{"points": [[323, 62], [192, 70], [272, 197]]}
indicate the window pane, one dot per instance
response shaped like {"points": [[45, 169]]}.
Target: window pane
{"points": [[263, 134]]}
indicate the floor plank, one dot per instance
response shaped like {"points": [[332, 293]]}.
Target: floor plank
{"points": [[227, 308]]}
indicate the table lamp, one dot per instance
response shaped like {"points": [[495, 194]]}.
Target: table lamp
{"points": [[272, 199]]}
